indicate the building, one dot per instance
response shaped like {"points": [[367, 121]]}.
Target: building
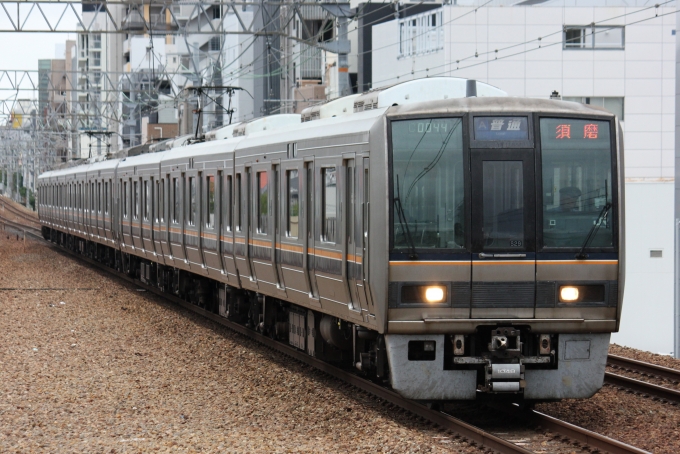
{"points": [[621, 56]]}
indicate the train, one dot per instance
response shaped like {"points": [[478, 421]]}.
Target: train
{"points": [[438, 235]]}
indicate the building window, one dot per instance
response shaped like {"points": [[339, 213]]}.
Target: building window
{"points": [[96, 41], [612, 104], [262, 202], [329, 205], [214, 45], [210, 212], [216, 12], [96, 58], [293, 207], [594, 37], [421, 34]]}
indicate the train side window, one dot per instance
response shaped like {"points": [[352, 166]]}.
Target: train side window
{"points": [[92, 198], [135, 201], [210, 212], [293, 205], [262, 202], [175, 200], [329, 204], [192, 201], [161, 201], [156, 195], [125, 199], [226, 204], [147, 200], [106, 197], [237, 202]]}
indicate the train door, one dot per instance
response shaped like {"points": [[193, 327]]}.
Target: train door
{"points": [[310, 217], [276, 222], [362, 236], [503, 233], [176, 223], [247, 218]]}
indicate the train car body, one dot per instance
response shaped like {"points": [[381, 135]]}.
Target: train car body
{"points": [[458, 247]]}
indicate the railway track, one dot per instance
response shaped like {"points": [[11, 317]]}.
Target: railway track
{"points": [[646, 369], [569, 433]]}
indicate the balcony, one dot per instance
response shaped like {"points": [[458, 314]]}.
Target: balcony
{"points": [[311, 62]]}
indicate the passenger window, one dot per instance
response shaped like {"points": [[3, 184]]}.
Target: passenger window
{"points": [[262, 202], [226, 204], [135, 202], [293, 205], [147, 201], [210, 212], [125, 199], [192, 201], [106, 197], [99, 197], [176, 200], [237, 201], [329, 204], [161, 201]]}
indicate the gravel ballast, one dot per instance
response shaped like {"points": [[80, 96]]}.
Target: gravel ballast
{"points": [[89, 364]]}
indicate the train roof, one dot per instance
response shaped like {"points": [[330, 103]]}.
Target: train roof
{"points": [[498, 105]]}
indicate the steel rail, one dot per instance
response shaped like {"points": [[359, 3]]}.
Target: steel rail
{"points": [[650, 389], [582, 435], [644, 368]]}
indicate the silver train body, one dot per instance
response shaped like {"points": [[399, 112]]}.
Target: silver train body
{"points": [[455, 248]]}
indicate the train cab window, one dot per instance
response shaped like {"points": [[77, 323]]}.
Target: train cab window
{"points": [[262, 202], [428, 206], [175, 200], [226, 202], [329, 204], [192, 201], [293, 203], [237, 202], [577, 183], [210, 212]]}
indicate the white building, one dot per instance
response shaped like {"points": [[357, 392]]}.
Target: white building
{"points": [[619, 56]]}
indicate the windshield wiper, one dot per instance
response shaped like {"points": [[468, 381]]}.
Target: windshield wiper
{"points": [[403, 223], [593, 230]]}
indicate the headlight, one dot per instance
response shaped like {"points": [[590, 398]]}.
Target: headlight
{"points": [[591, 293], [435, 294], [423, 294], [568, 294]]}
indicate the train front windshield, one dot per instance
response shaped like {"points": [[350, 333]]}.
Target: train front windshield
{"points": [[572, 188], [428, 185], [577, 182]]}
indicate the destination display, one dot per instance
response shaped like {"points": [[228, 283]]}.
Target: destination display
{"points": [[567, 133], [501, 128]]}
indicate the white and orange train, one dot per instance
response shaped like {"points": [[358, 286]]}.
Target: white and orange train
{"points": [[436, 234]]}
